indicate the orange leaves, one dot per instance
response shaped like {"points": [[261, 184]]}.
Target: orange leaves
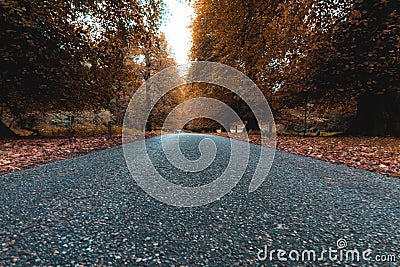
{"points": [[380, 155], [24, 153], [45, 46], [376, 154], [18, 154], [308, 45]]}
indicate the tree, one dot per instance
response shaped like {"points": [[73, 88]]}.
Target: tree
{"points": [[330, 53], [67, 55], [234, 33], [339, 56], [365, 63]]}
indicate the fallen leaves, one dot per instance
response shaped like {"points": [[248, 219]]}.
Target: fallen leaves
{"points": [[376, 154], [381, 155], [23, 153]]}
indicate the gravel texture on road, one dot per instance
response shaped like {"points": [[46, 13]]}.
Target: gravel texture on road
{"points": [[89, 211]]}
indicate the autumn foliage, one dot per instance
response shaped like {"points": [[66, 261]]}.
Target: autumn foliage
{"points": [[76, 55], [328, 53]]}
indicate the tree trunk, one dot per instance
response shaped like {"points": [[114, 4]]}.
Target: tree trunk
{"points": [[147, 76], [6, 132], [378, 115], [252, 124], [305, 117]]}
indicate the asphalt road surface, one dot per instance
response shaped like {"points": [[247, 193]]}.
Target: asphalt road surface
{"points": [[89, 211]]}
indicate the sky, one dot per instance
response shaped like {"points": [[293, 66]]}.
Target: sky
{"points": [[176, 29]]}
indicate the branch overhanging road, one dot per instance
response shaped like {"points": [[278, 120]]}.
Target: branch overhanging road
{"points": [[89, 210]]}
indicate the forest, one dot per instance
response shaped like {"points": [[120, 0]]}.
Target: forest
{"points": [[75, 56], [326, 57], [322, 65]]}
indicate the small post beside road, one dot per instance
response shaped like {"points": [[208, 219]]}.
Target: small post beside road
{"points": [[109, 130]]}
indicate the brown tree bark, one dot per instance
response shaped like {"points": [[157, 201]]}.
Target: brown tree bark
{"points": [[6, 132], [378, 115]]}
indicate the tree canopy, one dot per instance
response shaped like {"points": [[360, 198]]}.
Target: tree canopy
{"points": [[328, 52], [69, 54]]}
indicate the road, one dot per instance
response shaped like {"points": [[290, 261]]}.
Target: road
{"points": [[89, 211]]}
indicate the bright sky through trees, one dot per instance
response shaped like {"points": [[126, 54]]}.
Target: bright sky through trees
{"points": [[176, 29]]}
